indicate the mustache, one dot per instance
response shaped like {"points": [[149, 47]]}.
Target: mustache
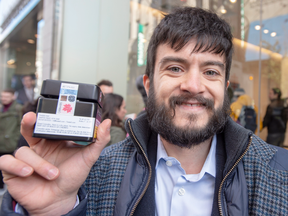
{"points": [[179, 99]]}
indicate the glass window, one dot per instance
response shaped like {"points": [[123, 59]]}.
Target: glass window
{"points": [[260, 59]]}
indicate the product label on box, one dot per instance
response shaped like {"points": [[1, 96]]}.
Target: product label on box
{"points": [[54, 124], [98, 121], [67, 99]]}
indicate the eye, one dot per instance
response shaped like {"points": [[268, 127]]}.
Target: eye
{"points": [[211, 73], [175, 69]]}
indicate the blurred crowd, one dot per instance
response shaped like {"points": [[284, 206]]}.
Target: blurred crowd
{"points": [[245, 112]]}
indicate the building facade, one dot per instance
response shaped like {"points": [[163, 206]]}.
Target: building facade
{"points": [[89, 40]]}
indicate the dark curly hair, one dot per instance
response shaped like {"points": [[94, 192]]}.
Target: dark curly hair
{"points": [[278, 92], [212, 34]]}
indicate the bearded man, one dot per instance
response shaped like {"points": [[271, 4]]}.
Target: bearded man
{"points": [[186, 156]]}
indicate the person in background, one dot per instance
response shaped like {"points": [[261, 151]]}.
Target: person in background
{"points": [[237, 93], [28, 107], [230, 93], [275, 119], [106, 86], [114, 108], [244, 112], [26, 94], [141, 89], [10, 118]]}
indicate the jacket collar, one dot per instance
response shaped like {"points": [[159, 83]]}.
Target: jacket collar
{"points": [[236, 137], [12, 106]]}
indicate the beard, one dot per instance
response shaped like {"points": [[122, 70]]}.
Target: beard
{"points": [[160, 118]]}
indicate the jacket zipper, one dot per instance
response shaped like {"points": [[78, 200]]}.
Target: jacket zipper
{"points": [[150, 171], [226, 176]]}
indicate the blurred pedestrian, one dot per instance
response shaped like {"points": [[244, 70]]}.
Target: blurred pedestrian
{"points": [[28, 107], [275, 119], [10, 118], [244, 112], [106, 86], [236, 94], [114, 108], [26, 94], [141, 89], [230, 93]]}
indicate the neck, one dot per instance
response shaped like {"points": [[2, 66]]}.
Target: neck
{"points": [[6, 106], [193, 159]]}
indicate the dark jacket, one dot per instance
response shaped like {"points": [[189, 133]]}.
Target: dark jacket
{"points": [[22, 97], [10, 127], [251, 176], [275, 118]]}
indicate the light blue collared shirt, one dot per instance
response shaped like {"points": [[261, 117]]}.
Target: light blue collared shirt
{"points": [[177, 193]]}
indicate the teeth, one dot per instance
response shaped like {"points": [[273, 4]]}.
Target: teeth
{"points": [[192, 105]]}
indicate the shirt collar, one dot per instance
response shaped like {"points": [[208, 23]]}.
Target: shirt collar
{"points": [[209, 164]]}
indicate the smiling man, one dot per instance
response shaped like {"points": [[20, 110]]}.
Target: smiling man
{"points": [[186, 156]]}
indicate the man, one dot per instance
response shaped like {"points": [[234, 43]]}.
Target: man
{"points": [[185, 157], [237, 93], [275, 119], [244, 112], [10, 118], [106, 86], [142, 91], [26, 94]]}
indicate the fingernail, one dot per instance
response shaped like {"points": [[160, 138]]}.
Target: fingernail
{"points": [[52, 173], [26, 171]]}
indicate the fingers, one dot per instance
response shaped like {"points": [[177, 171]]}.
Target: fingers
{"points": [[25, 162], [13, 166], [40, 166], [27, 127]]}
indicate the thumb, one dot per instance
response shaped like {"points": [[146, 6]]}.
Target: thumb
{"points": [[93, 151], [103, 132]]}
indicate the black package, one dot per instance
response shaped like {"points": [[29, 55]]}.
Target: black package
{"points": [[68, 111]]}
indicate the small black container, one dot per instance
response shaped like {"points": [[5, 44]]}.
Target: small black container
{"points": [[68, 111]]}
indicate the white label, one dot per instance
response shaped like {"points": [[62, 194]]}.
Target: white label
{"points": [[64, 125], [67, 99]]}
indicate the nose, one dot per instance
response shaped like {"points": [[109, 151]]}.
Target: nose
{"points": [[191, 82]]}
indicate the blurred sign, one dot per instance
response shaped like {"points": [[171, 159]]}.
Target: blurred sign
{"points": [[20, 14], [140, 46]]}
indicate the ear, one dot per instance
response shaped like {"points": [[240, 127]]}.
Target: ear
{"points": [[146, 83], [227, 84]]}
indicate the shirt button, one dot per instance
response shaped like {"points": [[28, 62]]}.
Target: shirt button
{"points": [[168, 163], [181, 192]]}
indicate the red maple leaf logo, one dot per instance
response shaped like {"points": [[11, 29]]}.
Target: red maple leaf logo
{"points": [[67, 108]]}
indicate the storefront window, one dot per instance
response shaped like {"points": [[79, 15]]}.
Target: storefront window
{"points": [[260, 45], [19, 41]]}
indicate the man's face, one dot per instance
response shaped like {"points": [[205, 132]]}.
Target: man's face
{"points": [[27, 81], [7, 98], [106, 89], [272, 96], [189, 88]]}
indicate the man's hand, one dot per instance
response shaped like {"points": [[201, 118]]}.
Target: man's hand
{"points": [[45, 178]]}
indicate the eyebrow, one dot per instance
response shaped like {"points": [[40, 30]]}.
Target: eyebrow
{"points": [[217, 63], [171, 58]]}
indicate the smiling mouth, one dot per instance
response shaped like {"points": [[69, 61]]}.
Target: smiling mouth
{"points": [[191, 105]]}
